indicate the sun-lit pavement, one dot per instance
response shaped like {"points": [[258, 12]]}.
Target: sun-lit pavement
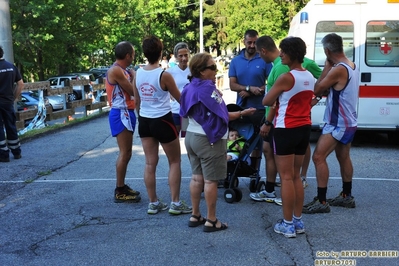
{"points": [[56, 208]]}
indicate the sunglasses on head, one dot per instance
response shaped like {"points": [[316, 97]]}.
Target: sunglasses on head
{"points": [[211, 67]]}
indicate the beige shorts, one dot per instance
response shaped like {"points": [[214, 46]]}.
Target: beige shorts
{"points": [[206, 160]]}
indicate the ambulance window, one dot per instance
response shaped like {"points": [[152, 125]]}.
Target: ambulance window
{"points": [[343, 29], [382, 43]]}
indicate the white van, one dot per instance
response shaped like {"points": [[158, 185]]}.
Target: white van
{"points": [[370, 31]]}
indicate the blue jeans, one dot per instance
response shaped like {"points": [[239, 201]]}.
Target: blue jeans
{"points": [[8, 122]]}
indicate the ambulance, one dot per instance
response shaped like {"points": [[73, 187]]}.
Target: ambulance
{"points": [[370, 32]]}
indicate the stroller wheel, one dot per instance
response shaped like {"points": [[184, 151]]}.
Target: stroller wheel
{"points": [[226, 183], [230, 195], [238, 194], [252, 185], [261, 186]]}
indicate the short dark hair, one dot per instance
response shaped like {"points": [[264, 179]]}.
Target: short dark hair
{"points": [[250, 33], [266, 42], [198, 63], [1, 52], [122, 49], [294, 47], [152, 48], [333, 42]]}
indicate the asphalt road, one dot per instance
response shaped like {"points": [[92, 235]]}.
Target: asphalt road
{"points": [[56, 208]]}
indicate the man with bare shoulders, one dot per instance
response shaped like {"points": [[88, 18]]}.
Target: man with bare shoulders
{"points": [[340, 78], [122, 119]]}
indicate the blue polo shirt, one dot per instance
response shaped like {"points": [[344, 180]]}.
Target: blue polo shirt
{"points": [[252, 72]]}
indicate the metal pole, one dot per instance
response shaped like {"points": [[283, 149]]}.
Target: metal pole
{"points": [[5, 31], [201, 29]]}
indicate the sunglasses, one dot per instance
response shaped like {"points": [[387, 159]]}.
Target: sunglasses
{"points": [[211, 67]]}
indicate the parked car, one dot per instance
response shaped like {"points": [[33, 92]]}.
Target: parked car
{"points": [[86, 75], [59, 81], [21, 106], [56, 102], [30, 98], [99, 71]]}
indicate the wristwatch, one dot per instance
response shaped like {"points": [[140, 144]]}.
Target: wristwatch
{"points": [[268, 123], [247, 88]]}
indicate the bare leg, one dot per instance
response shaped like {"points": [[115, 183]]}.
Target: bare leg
{"points": [[211, 194], [291, 185], [196, 187], [172, 151], [306, 161], [151, 149], [325, 145], [298, 186], [178, 128], [125, 142], [345, 162], [271, 169]]}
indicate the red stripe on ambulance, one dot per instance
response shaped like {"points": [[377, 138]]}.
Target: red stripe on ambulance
{"points": [[379, 91]]}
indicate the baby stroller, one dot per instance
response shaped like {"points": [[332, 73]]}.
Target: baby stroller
{"points": [[242, 166]]}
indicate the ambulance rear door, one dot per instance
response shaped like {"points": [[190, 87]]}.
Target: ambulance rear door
{"points": [[378, 106]]}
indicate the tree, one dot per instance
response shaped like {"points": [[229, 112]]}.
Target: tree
{"points": [[55, 37]]}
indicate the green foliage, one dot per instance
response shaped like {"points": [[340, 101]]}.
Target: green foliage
{"points": [[57, 36]]}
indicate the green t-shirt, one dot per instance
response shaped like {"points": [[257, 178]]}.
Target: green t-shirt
{"points": [[279, 68]]}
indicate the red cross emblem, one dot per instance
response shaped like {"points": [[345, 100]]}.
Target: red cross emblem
{"points": [[385, 48]]}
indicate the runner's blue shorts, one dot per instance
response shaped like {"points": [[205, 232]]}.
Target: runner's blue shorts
{"points": [[120, 119]]}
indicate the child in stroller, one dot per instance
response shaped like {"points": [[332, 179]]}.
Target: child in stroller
{"points": [[235, 143], [241, 166]]}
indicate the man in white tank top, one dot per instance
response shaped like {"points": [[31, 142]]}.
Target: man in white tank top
{"points": [[340, 78]]}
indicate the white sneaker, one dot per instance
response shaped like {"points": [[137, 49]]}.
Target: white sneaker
{"points": [[266, 196]]}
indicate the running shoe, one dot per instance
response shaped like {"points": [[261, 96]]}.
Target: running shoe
{"points": [[311, 203], [304, 182], [288, 230], [155, 208], [183, 208], [316, 207], [299, 226], [126, 194], [266, 196], [340, 200]]}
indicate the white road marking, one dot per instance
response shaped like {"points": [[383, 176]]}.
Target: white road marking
{"points": [[161, 178]]}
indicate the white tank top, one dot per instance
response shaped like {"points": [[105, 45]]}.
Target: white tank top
{"points": [[341, 105], [181, 80], [154, 102]]}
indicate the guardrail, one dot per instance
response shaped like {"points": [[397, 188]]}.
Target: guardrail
{"points": [[99, 96]]}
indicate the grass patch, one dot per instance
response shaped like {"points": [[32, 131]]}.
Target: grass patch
{"points": [[43, 173]]}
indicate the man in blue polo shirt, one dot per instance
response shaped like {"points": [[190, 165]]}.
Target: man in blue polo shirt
{"points": [[248, 73]]}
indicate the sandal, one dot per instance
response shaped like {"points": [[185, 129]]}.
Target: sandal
{"points": [[213, 228], [198, 222]]}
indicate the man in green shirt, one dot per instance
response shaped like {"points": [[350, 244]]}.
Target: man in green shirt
{"points": [[269, 52]]}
